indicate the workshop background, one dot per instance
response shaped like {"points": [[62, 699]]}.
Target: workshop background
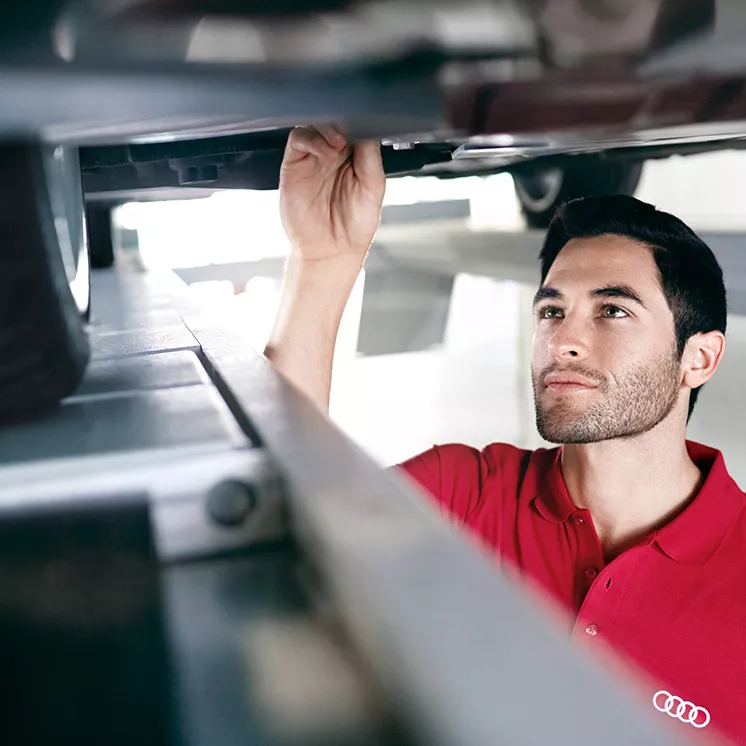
{"points": [[436, 341]]}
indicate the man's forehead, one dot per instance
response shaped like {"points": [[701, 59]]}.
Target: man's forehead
{"points": [[602, 260]]}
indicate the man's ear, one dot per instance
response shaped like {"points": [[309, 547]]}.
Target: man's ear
{"points": [[702, 355]]}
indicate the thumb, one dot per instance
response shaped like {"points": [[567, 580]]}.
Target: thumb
{"points": [[368, 163], [308, 141]]}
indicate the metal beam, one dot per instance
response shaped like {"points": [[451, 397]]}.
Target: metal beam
{"points": [[456, 647]]}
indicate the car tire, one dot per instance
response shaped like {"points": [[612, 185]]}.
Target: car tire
{"points": [[100, 236], [541, 191], [44, 278]]}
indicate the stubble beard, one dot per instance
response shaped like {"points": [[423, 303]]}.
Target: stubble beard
{"points": [[641, 398]]}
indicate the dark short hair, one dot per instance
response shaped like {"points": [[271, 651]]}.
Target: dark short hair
{"points": [[690, 275]]}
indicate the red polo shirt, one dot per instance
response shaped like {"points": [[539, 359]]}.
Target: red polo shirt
{"points": [[674, 604]]}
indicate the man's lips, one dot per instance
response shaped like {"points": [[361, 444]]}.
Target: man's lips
{"points": [[567, 382]]}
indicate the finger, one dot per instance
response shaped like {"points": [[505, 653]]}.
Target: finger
{"points": [[333, 135], [368, 162], [307, 140]]}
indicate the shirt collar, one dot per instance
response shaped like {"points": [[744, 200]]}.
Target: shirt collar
{"points": [[553, 501], [696, 534], [692, 537]]}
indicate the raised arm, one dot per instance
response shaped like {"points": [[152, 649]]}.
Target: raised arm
{"points": [[330, 201]]}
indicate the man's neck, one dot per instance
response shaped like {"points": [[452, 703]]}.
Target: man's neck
{"points": [[631, 487]]}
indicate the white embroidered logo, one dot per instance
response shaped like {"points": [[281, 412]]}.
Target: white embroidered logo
{"points": [[676, 707]]}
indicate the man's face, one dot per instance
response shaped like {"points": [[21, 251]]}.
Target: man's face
{"points": [[605, 363]]}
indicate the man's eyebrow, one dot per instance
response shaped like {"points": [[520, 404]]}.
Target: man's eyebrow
{"points": [[547, 292], [618, 291], [608, 291]]}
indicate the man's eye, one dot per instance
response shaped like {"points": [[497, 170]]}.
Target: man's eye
{"points": [[613, 312], [550, 312]]}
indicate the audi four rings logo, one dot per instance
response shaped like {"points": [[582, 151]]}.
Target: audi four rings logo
{"points": [[679, 708]]}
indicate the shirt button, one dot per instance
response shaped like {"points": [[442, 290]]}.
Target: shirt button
{"points": [[591, 573], [591, 630], [579, 519]]}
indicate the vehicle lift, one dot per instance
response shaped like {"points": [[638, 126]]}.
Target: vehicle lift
{"points": [[191, 554]]}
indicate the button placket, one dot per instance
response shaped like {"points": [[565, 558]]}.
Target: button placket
{"points": [[590, 554], [601, 606], [590, 565]]}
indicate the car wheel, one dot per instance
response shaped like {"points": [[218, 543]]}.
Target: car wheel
{"points": [[44, 278], [541, 191], [100, 236]]}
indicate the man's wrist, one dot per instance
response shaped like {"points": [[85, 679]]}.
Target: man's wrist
{"points": [[333, 276], [325, 255], [339, 265]]}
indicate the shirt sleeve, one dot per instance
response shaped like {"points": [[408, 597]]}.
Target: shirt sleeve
{"points": [[452, 474]]}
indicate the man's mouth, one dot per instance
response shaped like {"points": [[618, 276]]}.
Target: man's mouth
{"points": [[568, 382]]}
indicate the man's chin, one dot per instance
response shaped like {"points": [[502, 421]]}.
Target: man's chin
{"points": [[565, 427], [563, 412], [567, 438]]}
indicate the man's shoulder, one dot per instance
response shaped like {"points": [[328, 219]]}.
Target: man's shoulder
{"points": [[460, 473], [470, 482], [495, 456]]}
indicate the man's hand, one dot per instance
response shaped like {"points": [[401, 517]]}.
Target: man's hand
{"points": [[330, 194], [330, 202]]}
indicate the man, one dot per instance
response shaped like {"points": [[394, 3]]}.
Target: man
{"points": [[639, 534]]}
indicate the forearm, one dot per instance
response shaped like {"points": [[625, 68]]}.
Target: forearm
{"points": [[301, 346]]}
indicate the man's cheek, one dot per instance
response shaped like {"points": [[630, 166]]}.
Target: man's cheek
{"points": [[540, 355]]}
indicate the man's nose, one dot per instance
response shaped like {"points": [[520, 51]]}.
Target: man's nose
{"points": [[570, 340]]}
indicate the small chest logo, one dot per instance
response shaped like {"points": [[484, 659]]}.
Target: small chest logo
{"points": [[679, 708]]}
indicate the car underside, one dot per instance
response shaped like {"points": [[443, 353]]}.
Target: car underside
{"points": [[524, 87], [163, 99]]}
